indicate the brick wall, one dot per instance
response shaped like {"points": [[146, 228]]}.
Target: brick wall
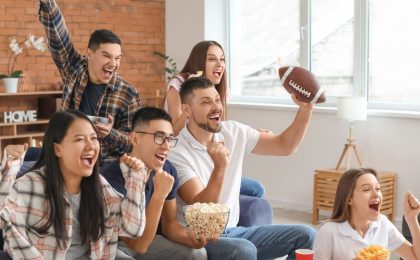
{"points": [[139, 23]]}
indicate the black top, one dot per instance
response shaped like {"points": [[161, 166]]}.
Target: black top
{"points": [[90, 98]]}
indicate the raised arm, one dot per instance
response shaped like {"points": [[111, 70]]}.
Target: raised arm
{"points": [[133, 217], [289, 140], [411, 212], [174, 109], [193, 190], [65, 56], [9, 167], [162, 183]]}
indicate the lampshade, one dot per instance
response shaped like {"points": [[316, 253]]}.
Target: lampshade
{"points": [[352, 108]]}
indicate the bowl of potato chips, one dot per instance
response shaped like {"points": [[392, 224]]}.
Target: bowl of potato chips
{"points": [[373, 252]]}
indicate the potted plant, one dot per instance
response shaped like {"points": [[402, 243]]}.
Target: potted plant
{"points": [[170, 70], [12, 78]]}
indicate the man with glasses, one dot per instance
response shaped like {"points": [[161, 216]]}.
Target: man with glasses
{"points": [[163, 238]]}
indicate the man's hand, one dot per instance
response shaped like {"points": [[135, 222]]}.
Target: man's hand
{"points": [[16, 150], [411, 207], [132, 162], [162, 183], [104, 130], [194, 242], [14, 154], [301, 104], [219, 154]]}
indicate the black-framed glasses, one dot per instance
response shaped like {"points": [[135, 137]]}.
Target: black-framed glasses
{"points": [[160, 138]]}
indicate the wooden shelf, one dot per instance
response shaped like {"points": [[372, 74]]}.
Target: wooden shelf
{"points": [[44, 102], [23, 135], [37, 122], [33, 94]]}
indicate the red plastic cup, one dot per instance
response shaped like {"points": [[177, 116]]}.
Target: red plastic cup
{"points": [[304, 254]]}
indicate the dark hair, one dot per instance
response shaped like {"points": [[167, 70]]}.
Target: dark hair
{"points": [[197, 62], [345, 188], [192, 84], [92, 201], [102, 36], [146, 114]]}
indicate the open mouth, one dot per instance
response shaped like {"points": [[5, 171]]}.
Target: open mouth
{"points": [[88, 160], [217, 73], [108, 72], [215, 117], [374, 206], [160, 157]]}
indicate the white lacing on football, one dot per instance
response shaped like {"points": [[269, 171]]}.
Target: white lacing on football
{"points": [[299, 89]]}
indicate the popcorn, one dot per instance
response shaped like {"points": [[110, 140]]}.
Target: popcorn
{"points": [[207, 220], [373, 252]]}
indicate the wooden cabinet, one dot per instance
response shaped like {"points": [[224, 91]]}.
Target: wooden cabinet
{"points": [[325, 186], [44, 102]]}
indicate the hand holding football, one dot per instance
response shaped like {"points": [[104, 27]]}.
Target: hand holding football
{"points": [[302, 83]]}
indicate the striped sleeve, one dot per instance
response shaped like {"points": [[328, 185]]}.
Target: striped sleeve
{"points": [[14, 219], [133, 206], [65, 56], [7, 177], [119, 138]]}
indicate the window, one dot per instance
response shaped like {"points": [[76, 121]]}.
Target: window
{"points": [[353, 47], [260, 42]]}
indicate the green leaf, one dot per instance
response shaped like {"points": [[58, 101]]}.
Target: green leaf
{"points": [[16, 74]]}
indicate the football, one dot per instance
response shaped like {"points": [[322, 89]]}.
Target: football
{"points": [[302, 83]]}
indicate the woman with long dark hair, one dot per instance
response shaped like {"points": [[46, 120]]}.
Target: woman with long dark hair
{"points": [[62, 208], [356, 221]]}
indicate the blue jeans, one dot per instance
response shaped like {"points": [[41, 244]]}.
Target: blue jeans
{"points": [[251, 187], [261, 242]]}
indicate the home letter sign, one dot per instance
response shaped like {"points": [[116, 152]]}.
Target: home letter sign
{"points": [[19, 116]]}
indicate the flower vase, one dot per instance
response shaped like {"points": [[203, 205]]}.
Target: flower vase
{"points": [[11, 84]]}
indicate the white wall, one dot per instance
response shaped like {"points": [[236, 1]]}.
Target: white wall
{"points": [[385, 143], [184, 27], [191, 21]]}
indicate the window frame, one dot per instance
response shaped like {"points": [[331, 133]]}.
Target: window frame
{"points": [[361, 63]]}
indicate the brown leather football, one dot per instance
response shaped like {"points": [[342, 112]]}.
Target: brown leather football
{"points": [[302, 83]]}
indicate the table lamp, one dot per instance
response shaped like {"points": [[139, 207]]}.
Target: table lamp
{"points": [[351, 109]]}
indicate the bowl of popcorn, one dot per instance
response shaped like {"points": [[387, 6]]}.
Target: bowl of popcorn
{"points": [[206, 220], [373, 252]]}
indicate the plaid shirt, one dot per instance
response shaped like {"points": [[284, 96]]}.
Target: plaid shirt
{"points": [[24, 208], [119, 99]]}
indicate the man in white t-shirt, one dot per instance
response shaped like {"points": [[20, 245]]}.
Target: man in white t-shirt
{"points": [[210, 170]]}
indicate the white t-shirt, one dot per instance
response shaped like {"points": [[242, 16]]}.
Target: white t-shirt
{"points": [[191, 159], [339, 241], [175, 83]]}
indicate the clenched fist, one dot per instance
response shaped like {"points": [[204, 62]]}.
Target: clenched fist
{"points": [[219, 154], [162, 183]]}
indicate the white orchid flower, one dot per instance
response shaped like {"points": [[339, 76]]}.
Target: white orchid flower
{"points": [[14, 45], [39, 44], [30, 41]]}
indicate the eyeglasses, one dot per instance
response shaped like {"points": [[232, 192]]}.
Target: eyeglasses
{"points": [[160, 138]]}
